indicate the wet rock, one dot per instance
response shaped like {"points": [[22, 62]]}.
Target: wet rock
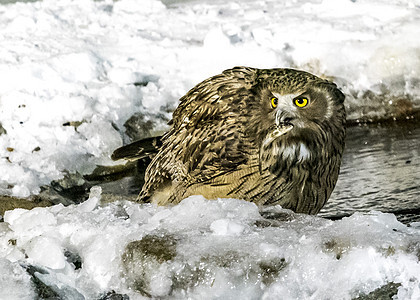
{"points": [[145, 264], [74, 259], [203, 271], [402, 108], [153, 267], [188, 276], [338, 248], [144, 79], [278, 214], [42, 290], [385, 292], [138, 126], [272, 216], [72, 189], [112, 295], [69, 181], [382, 108], [48, 286], [9, 203], [2, 130], [270, 270], [122, 182]]}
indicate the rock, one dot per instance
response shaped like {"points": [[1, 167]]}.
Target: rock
{"points": [[144, 263]]}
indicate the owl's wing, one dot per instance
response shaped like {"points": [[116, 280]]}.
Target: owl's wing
{"points": [[207, 133], [139, 149]]}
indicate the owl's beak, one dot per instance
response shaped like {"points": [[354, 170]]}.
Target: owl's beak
{"points": [[284, 119]]}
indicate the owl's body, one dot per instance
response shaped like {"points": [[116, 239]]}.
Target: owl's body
{"points": [[272, 136]]}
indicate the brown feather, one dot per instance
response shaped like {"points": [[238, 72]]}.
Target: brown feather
{"points": [[223, 142]]}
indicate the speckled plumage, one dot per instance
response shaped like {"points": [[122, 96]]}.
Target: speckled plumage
{"points": [[227, 140]]}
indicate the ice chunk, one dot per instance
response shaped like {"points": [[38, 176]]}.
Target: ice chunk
{"points": [[226, 227], [15, 283], [46, 252], [29, 222], [93, 200]]}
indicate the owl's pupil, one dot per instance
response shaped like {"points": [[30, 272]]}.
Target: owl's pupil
{"points": [[300, 101]]}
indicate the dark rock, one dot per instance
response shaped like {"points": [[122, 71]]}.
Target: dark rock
{"points": [[2, 130], [142, 260], [271, 269], [112, 295], [74, 259], [9, 203], [72, 189], [47, 286], [42, 290], [385, 292], [138, 127]]}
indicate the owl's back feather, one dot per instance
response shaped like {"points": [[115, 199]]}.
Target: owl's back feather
{"points": [[206, 135]]}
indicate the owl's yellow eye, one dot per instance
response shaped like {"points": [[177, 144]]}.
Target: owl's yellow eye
{"points": [[301, 102], [274, 102]]}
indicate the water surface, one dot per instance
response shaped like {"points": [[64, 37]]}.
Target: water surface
{"points": [[380, 171]]}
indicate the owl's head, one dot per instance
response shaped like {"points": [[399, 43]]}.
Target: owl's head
{"points": [[300, 119]]}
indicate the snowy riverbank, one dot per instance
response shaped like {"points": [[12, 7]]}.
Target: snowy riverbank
{"points": [[199, 249], [73, 72]]}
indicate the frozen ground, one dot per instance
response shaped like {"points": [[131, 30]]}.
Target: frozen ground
{"points": [[73, 72], [199, 249]]}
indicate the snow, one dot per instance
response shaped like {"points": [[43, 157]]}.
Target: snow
{"points": [[14, 281], [213, 248], [72, 72], [93, 64]]}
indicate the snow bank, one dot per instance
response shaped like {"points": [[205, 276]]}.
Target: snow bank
{"points": [[203, 249], [73, 71]]}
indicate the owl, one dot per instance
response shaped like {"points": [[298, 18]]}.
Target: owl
{"points": [[269, 136]]}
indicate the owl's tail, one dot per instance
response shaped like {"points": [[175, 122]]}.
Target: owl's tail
{"points": [[139, 149]]}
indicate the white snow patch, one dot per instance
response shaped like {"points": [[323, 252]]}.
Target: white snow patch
{"points": [[226, 227], [15, 283], [222, 238], [45, 251]]}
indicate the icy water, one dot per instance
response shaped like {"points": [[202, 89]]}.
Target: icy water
{"points": [[380, 171]]}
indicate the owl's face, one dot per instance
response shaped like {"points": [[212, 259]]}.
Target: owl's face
{"points": [[298, 124], [302, 108]]}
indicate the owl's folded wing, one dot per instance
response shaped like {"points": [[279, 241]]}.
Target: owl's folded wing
{"points": [[139, 149]]}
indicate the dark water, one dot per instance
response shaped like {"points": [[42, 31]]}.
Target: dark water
{"points": [[380, 171]]}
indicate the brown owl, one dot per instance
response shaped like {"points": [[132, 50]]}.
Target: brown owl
{"points": [[269, 136]]}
